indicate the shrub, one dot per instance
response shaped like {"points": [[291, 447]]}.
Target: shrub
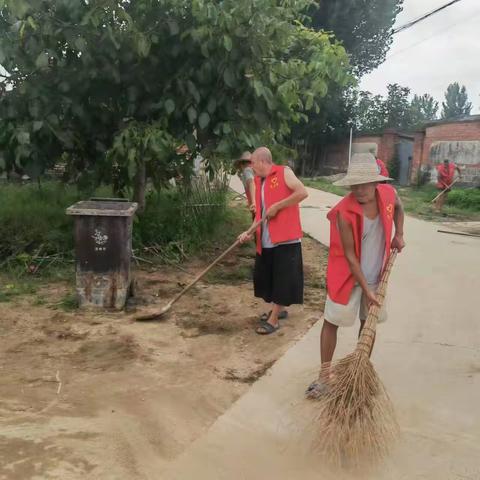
{"points": [[394, 167], [31, 217], [467, 199], [189, 215]]}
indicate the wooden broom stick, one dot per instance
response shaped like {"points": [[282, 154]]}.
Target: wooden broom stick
{"points": [[365, 341], [445, 190]]}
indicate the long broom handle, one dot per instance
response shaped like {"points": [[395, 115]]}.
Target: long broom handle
{"points": [[445, 189], [204, 272], [365, 341]]}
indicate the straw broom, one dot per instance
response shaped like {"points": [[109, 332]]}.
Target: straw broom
{"points": [[356, 420]]}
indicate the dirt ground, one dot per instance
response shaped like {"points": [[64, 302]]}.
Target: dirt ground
{"points": [[99, 396]]}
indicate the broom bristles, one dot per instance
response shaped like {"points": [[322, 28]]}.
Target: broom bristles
{"points": [[356, 418], [357, 423]]}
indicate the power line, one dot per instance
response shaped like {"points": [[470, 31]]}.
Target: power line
{"points": [[423, 17], [438, 32]]}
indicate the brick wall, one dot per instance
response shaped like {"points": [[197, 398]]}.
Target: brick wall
{"points": [[458, 141], [334, 158]]}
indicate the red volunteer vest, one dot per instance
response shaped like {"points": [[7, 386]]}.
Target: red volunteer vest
{"points": [[445, 175], [340, 281], [383, 168], [286, 224]]}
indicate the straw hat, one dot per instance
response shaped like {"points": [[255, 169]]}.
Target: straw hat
{"points": [[245, 157], [362, 169]]}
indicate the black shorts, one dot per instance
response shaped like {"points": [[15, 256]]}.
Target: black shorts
{"points": [[278, 275]]}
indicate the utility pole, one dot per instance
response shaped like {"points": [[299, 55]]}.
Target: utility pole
{"points": [[350, 146]]}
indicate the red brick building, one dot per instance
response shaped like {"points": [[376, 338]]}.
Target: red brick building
{"points": [[386, 146], [457, 140]]}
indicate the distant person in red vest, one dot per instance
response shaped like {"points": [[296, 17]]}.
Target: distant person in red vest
{"points": [[361, 228], [247, 176], [445, 177], [382, 168], [278, 275]]}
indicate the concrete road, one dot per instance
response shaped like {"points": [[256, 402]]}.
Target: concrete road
{"points": [[428, 355]]}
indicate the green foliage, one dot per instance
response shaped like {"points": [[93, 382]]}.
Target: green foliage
{"points": [[81, 72], [68, 303], [369, 113], [465, 199], [31, 218], [10, 290], [394, 167], [417, 201], [424, 108], [365, 29], [374, 113], [33, 221], [397, 107], [364, 26], [189, 215], [148, 144], [456, 102]]}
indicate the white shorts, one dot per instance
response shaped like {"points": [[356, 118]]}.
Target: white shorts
{"points": [[357, 307]]}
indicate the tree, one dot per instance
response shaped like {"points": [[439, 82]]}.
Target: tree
{"points": [[113, 85], [369, 113], [365, 29], [375, 113], [364, 26], [456, 102], [397, 107], [424, 108], [396, 110]]}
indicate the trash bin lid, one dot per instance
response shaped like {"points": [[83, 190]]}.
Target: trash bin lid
{"points": [[103, 208]]}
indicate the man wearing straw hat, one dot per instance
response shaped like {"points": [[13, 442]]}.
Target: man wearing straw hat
{"points": [[361, 229], [278, 276], [247, 176]]}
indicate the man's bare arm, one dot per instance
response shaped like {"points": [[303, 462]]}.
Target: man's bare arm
{"points": [[398, 219], [251, 189]]}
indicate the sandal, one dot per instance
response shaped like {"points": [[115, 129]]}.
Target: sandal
{"points": [[268, 328], [281, 316]]}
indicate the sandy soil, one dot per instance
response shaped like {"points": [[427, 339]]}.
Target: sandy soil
{"points": [[98, 396]]}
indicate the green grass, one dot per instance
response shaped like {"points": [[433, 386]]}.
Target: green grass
{"points": [[417, 201], [325, 185], [462, 204], [9, 290], [33, 223], [68, 303], [36, 241]]}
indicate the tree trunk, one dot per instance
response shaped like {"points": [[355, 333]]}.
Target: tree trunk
{"points": [[140, 185]]}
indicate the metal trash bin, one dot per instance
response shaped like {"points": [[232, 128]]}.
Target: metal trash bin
{"points": [[103, 249]]}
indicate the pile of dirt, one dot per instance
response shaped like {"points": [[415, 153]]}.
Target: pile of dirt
{"points": [[97, 395]]}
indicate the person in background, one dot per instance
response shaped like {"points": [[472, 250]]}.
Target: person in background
{"points": [[247, 176], [382, 168], [278, 274], [445, 176]]}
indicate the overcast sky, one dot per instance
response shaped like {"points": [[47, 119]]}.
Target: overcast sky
{"points": [[434, 53]]}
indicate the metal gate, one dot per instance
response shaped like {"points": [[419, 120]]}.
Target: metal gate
{"points": [[404, 155]]}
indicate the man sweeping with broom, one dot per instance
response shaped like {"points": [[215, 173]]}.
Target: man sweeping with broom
{"points": [[361, 227]]}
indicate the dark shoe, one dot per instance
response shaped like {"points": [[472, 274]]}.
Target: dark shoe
{"points": [[281, 316], [266, 328]]}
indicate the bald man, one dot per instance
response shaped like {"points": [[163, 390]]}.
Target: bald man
{"points": [[278, 277]]}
